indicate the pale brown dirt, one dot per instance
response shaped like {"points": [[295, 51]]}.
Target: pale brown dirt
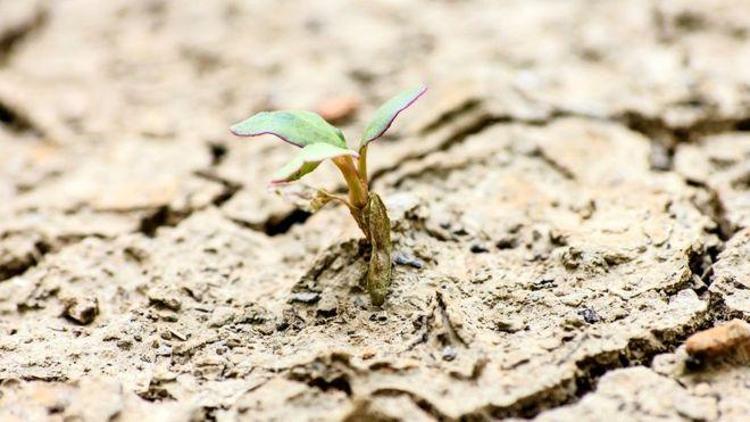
{"points": [[569, 203]]}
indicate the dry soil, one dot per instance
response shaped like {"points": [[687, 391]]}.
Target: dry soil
{"points": [[569, 203]]}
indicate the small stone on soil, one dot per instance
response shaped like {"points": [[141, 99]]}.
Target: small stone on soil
{"points": [[510, 324], [124, 344], [282, 325], [449, 353], [589, 315], [327, 307], [506, 243], [720, 340], [402, 258], [460, 231], [222, 315], [162, 298], [81, 310], [305, 297], [545, 283], [478, 248], [378, 317], [178, 335]]}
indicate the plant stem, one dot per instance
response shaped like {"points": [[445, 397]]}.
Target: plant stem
{"points": [[357, 189], [334, 197], [363, 165]]}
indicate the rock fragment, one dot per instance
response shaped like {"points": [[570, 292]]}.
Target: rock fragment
{"points": [[305, 297], [82, 310], [327, 307], [722, 340], [164, 298], [222, 315], [449, 353], [589, 315], [402, 258]]}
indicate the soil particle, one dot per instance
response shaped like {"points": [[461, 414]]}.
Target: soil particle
{"points": [[449, 353], [220, 316], [589, 315], [733, 336], [164, 298], [510, 324], [82, 310], [305, 297], [327, 307], [478, 248], [402, 258]]}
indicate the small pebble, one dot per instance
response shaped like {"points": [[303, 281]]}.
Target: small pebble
{"points": [[449, 353], [721, 340], [282, 325], [305, 297], [401, 258], [589, 315], [545, 283], [460, 231], [506, 243], [327, 307], [178, 335], [164, 299], [222, 315], [510, 324], [124, 344], [81, 310], [168, 317], [478, 248], [267, 329], [378, 317]]}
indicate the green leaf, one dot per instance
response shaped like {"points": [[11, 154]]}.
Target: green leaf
{"points": [[308, 160], [386, 114], [299, 128]]}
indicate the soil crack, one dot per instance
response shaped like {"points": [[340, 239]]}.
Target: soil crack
{"points": [[453, 336], [665, 137], [276, 225], [421, 402], [639, 351], [166, 216]]}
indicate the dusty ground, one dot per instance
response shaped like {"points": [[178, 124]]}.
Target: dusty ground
{"points": [[569, 203]]}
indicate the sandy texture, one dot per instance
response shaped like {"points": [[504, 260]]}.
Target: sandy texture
{"points": [[569, 203]]}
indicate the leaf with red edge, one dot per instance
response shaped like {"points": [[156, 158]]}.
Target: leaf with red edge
{"points": [[387, 113]]}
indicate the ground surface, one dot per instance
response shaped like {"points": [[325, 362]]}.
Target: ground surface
{"points": [[569, 203]]}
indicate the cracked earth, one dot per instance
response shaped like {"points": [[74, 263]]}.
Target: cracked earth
{"points": [[569, 204]]}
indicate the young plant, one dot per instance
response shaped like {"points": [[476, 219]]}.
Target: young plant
{"points": [[320, 141]]}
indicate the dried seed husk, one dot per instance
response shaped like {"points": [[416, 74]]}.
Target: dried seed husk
{"points": [[379, 229]]}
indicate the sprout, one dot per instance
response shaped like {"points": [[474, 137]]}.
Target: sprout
{"points": [[320, 141]]}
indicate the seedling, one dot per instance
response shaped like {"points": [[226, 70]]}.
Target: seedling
{"points": [[321, 141]]}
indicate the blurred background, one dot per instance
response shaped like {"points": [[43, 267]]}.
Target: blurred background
{"points": [[121, 108]]}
